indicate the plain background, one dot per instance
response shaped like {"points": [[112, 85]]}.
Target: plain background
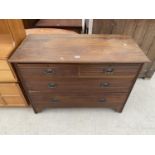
{"points": [[85, 9]]}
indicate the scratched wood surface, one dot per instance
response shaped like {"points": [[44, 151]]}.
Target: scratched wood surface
{"points": [[142, 31], [78, 49]]}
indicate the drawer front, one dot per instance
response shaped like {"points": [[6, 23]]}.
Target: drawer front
{"points": [[13, 101], [110, 70], [80, 85], [104, 100], [4, 65], [9, 89], [11, 95], [47, 70], [2, 103], [7, 76], [6, 72]]}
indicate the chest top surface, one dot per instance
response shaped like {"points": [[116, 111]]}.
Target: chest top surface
{"points": [[78, 49]]}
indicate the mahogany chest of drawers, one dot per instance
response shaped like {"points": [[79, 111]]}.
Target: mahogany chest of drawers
{"points": [[78, 70]]}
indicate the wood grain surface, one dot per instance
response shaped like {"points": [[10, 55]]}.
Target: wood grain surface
{"points": [[11, 95], [78, 49], [6, 72], [77, 70], [6, 40], [78, 86], [42, 101]]}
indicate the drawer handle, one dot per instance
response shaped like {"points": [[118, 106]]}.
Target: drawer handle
{"points": [[55, 100], [109, 70], [102, 100], [52, 85], [49, 71], [104, 84]]}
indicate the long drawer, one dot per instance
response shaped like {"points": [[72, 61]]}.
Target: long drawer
{"points": [[104, 100], [6, 72], [79, 85], [11, 95], [43, 71]]}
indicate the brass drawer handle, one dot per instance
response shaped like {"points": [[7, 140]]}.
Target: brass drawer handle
{"points": [[55, 100], [52, 85], [102, 100], [109, 70], [104, 84], [49, 71]]}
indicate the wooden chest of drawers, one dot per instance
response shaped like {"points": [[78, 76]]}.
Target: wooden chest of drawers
{"points": [[78, 71]]}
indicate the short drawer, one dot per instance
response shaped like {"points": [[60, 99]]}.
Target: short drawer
{"points": [[104, 100], [47, 70], [13, 101], [80, 85], [102, 70], [11, 95], [6, 72]]}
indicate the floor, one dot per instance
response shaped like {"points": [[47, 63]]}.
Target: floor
{"points": [[138, 117]]}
